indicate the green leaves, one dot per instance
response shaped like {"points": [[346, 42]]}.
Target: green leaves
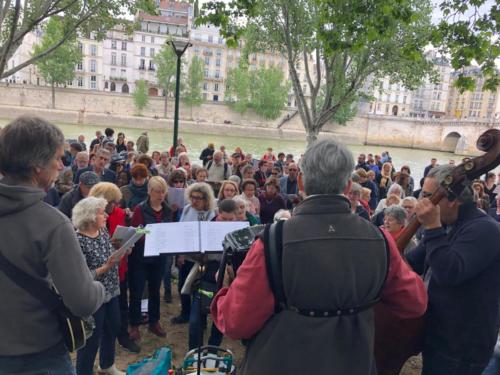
{"points": [[140, 95], [263, 90], [192, 93], [166, 66], [58, 67]]}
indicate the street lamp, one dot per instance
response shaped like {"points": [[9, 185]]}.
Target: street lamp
{"points": [[179, 46]]}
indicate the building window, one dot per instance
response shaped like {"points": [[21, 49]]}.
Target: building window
{"points": [[217, 74], [79, 66], [142, 64], [124, 46], [80, 47], [210, 39], [93, 50], [219, 52], [123, 73], [404, 99], [124, 60], [69, 83], [387, 108], [143, 51], [93, 82], [206, 73], [113, 44], [152, 52], [152, 39], [143, 38], [80, 81], [216, 87], [93, 66], [216, 98], [151, 65], [207, 60], [113, 58], [217, 62], [221, 40], [205, 86]]}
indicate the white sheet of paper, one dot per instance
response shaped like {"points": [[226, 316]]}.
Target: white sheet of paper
{"points": [[144, 305], [213, 233], [172, 238], [176, 196]]}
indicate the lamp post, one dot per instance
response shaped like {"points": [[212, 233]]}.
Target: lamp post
{"points": [[179, 46]]}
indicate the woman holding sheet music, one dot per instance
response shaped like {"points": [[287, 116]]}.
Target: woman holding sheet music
{"points": [[89, 218], [140, 268], [201, 207]]}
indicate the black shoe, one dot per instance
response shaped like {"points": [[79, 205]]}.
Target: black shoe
{"points": [[179, 320], [167, 298], [129, 344]]}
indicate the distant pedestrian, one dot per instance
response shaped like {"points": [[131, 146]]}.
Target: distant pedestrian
{"points": [[143, 143]]}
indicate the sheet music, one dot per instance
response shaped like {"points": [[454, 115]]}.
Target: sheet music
{"points": [[213, 232], [172, 238], [129, 236], [176, 196], [188, 237]]}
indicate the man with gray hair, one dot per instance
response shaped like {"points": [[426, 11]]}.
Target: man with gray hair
{"points": [[40, 242], [218, 169], [459, 258], [102, 158], [306, 299]]}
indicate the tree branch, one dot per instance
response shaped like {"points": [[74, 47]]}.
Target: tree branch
{"points": [[66, 36], [3, 12], [15, 19]]}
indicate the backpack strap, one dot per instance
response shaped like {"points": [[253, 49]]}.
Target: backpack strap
{"points": [[209, 165], [273, 250]]}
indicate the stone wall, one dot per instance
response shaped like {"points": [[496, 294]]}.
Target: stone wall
{"points": [[110, 109]]}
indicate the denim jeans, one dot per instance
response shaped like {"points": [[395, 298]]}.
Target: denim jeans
{"points": [[53, 361], [123, 299], [107, 325], [197, 322], [167, 276], [140, 271], [493, 367], [185, 298], [436, 363]]}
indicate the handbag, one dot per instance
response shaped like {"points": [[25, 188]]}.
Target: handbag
{"points": [[158, 364], [74, 330]]}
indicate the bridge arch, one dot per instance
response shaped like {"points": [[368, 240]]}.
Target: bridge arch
{"points": [[451, 141]]}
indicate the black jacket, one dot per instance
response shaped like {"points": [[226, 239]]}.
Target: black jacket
{"points": [[69, 200], [464, 285], [206, 155]]}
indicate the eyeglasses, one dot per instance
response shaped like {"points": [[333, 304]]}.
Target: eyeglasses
{"points": [[197, 198], [178, 182]]}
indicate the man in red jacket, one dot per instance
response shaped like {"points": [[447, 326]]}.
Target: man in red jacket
{"points": [[334, 268]]}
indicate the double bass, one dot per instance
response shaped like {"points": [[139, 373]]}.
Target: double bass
{"points": [[396, 340]]}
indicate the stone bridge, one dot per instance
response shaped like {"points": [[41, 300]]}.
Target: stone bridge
{"points": [[449, 135]]}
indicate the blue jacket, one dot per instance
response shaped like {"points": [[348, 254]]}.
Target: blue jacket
{"points": [[283, 189], [464, 286]]}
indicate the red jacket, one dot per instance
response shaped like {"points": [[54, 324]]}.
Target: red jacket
{"points": [[117, 217], [241, 310]]}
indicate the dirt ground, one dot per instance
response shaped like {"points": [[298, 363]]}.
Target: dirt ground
{"points": [[177, 341]]}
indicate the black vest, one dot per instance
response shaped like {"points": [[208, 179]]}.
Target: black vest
{"points": [[332, 260]]}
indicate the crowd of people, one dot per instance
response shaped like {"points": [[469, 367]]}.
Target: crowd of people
{"points": [[116, 181]]}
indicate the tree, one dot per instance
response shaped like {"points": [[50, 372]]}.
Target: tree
{"points": [[166, 67], [58, 67], [350, 41], [192, 94], [468, 32], [18, 18], [238, 88], [140, 95], [270, 93]]}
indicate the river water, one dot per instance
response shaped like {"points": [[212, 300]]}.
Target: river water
{"points": [[161, 141]]}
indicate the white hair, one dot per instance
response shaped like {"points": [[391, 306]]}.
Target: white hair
{"points": [[409, 199], [397, 212], [282, 215], [239, 200], [327, 167], [85, 211], [393, 187]]}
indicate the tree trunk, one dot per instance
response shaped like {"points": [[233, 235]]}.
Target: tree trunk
{"points": [[165, 106], [311, 136], [53, 96]]}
